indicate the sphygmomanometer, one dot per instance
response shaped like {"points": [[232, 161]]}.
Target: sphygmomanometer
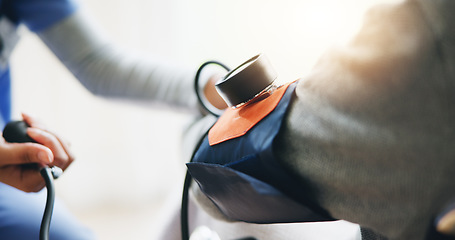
{"points": [[16, 132], [235, 164]]}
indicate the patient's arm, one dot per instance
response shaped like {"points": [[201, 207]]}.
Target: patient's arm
{"points": [[108, 70], [373, 109]]}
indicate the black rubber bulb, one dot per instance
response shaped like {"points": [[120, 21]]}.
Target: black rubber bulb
{"points": [[16, 132]]}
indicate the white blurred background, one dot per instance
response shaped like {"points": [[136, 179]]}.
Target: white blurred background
{"points": [[128, 161]]}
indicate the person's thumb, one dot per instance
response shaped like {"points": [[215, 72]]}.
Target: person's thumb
{"points": [[22, 153]]}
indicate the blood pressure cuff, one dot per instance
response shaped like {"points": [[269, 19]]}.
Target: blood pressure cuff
{"points": [[236, 167]]}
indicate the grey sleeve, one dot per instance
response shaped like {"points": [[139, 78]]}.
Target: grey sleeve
{"points": [[110, 71], [370, 131]]}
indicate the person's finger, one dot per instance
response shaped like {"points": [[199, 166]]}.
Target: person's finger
{"points": [[61, 158], [32, 121], [23, 153], [66, 147], [35, 123]]}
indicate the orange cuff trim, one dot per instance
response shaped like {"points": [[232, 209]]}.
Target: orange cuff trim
{"points": [[236, 122]]}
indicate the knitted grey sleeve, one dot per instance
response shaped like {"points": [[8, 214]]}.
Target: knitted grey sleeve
{"points": [[107, 70], [370, 135]]}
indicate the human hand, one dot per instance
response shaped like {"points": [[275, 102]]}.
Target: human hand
{"points": [[212, 94], [15, 158]]}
